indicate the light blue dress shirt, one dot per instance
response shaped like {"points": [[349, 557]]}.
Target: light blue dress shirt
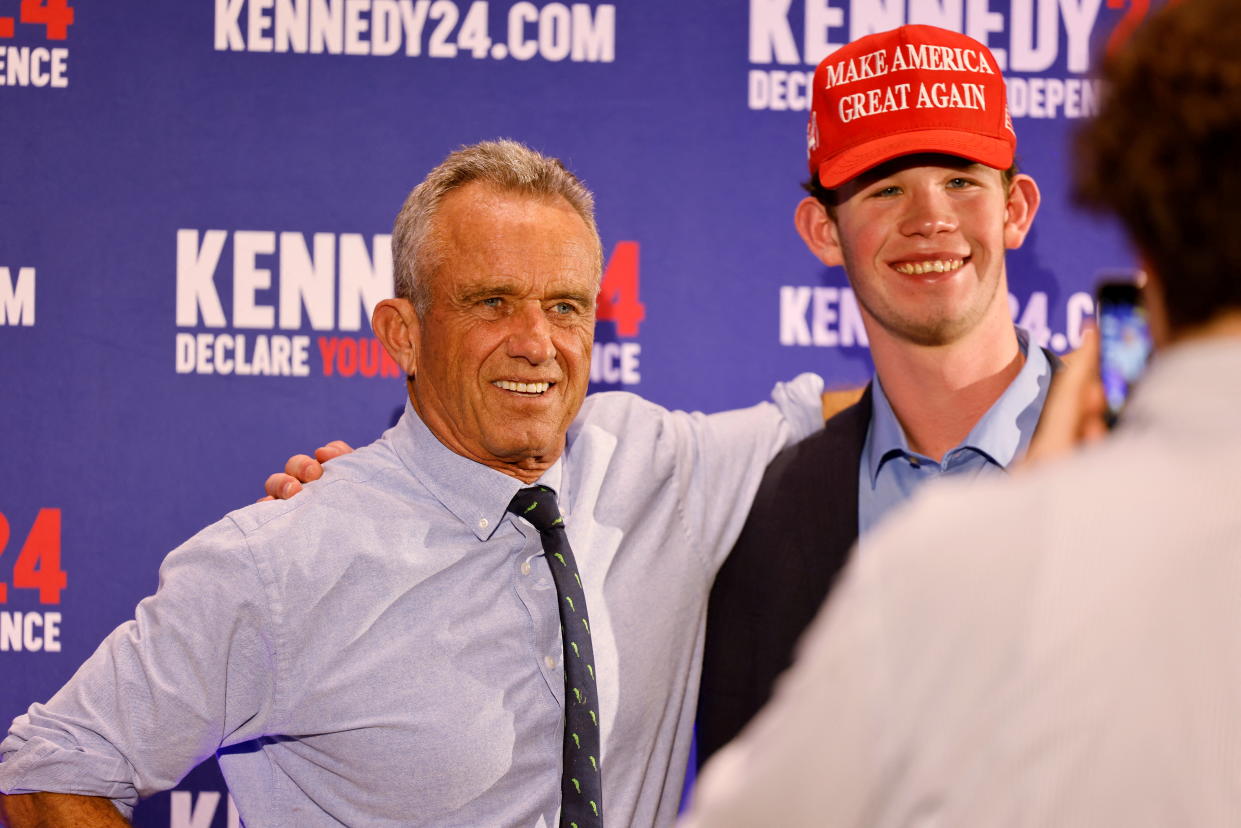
{"points": [[890, 471], [384, 649]]}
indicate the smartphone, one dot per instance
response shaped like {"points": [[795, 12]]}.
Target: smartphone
{"points": [[1124, 342]]}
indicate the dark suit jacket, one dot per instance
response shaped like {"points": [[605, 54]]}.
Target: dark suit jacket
{"points": [[797, 538]]}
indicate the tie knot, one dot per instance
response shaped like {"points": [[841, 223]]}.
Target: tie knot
{"points": [[537, 504]]}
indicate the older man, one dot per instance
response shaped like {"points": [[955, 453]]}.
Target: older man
{"points": [[387, 648]]}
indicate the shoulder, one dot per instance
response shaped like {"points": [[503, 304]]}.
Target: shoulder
{"points": [[370, 472], [612, 415], [797, 401], [606, 405], [837, 447], [360, 497], [967, 570], [1074, 512]]}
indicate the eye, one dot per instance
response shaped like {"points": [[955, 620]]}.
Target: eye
{"points": [[492, 302], [959, 183], [564, 308], [886, 192]]}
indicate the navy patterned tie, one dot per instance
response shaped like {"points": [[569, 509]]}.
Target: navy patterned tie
{"points": [[581, 786]]}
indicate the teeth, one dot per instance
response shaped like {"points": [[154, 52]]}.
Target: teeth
{"points": [[523, 387], [938, 266]]}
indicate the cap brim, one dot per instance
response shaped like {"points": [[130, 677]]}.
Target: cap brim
{"points": [[994, 152]]}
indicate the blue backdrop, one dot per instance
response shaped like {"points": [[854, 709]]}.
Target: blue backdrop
{"points": [[195, 200]]}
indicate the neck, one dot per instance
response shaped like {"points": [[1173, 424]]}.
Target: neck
{"points": [[526, 472], [527, 466], [940, 392], [1224, 325]]}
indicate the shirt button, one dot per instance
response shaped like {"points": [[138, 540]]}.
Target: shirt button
{"points": [[549, 661], [483, 523], [525, 567]]}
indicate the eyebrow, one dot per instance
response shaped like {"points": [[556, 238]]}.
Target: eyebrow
{"points": [[479, 292], [580, 298]]}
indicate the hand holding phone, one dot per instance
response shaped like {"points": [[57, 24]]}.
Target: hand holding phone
{"points": [[1124, 342]]}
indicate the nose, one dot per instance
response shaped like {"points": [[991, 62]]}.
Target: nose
{"points": [[928, 212], [530, 335]]}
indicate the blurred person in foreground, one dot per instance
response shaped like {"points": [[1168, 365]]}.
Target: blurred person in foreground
{"points": [[1060, 648]]}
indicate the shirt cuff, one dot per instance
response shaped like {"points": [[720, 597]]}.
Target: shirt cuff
{"points": [[800, 401]]}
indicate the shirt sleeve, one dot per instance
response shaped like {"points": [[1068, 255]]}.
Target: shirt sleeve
{"points": [[729, 454], [193, 671]]}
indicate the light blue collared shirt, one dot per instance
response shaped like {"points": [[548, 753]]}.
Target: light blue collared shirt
{"points": [[890, 471], [384, 649]]}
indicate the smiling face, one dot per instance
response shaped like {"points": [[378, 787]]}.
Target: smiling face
{"points": [[502, 355], [922, 240]]}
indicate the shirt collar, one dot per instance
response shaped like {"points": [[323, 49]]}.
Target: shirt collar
{"points": [[476, 495], [886, 439], [1001, 434]]}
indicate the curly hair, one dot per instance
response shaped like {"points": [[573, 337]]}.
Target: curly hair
{"points": [[1162, 154]]}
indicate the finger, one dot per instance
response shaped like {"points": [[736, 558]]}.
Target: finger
{"points": [[333, 449], [1070, 412], [1094, 424], [281, 486], [1096, 398], [1088, 351], [303, 467], [1081, 366], [264, 499]]}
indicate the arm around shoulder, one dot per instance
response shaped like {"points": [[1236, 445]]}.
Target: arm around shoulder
{"points": [[302, 468]]}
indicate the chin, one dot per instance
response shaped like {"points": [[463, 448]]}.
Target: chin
{"points": [[527, 447], [933, 332]]}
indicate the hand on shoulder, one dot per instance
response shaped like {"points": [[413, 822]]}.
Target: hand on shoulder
{"points": [[302, 468]]}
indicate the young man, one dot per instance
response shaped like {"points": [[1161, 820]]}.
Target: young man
{"points": [[1061, 648], [914, 192]]}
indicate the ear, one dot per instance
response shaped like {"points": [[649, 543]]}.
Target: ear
{"points": [[397, 325], [1023, 201], [818, 231]]}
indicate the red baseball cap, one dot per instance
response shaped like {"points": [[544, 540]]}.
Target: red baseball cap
{"points": [[909, 90]]}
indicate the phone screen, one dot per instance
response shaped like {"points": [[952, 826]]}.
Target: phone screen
{"points": [[1124, 342]]}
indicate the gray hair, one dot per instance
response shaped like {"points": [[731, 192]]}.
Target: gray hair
{"points": [[507, 165]]}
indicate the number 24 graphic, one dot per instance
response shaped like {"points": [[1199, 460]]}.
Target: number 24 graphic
{"points": [[38, 562], [56, 16]]}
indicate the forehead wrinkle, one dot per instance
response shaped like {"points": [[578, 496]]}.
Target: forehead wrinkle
{"points": [[481, 290], [461, 234]]}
